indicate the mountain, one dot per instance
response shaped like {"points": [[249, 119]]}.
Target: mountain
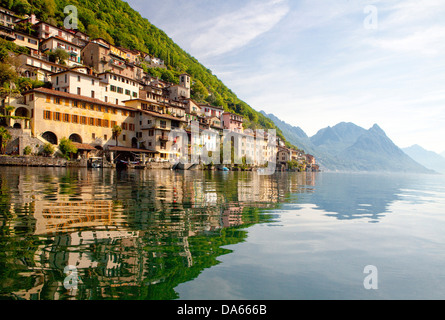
{"points": [[348, 147], [429, 159], [118, 23], [295, 135], [338, 137], [374, 151]]}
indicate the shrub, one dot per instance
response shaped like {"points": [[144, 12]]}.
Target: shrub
{"points": [[48, 149], [27, 151]]}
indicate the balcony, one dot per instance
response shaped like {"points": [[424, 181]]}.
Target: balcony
{"points": [[163, 138], [117, 63]]}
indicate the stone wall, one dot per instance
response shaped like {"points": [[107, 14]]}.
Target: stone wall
{"points": [[32, 161]]}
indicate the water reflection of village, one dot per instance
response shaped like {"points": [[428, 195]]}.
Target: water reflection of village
{"points": [[129, 234]]}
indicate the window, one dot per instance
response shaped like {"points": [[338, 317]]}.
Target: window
{"points": [[99, 122], [151, 133], [131, 127], [92, 93], [127, 92], [124, 138], [79, 91], [75, 119], [32, 41], [75, 104], [124, 126], [92, 82], [91, 121], [106, 123], [78, 78], [48, 99], [66, 117], [20, 37], [57, 116], [105, 137], [163, 124], [93, 136], [113, 88], [120, 90], [135, 95], [83, 120], [47, 115], [113, 123]]}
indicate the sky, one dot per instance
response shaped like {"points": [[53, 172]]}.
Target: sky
{"points": [[316, 63]]}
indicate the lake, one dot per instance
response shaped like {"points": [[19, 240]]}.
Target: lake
{"points": [[98, 234]]}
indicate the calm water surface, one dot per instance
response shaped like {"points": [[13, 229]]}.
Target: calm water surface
{"points": [[215, 235]]}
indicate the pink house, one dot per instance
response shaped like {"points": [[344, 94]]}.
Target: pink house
{"points": [[232, 122]]}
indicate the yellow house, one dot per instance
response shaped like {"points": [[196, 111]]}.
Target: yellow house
{"points": [[55, 115]]}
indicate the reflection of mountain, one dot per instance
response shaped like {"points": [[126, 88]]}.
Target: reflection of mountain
{"points": [[357, 196], [135, 234]]}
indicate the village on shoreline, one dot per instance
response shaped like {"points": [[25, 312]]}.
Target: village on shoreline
{"points": [[98, 107]]}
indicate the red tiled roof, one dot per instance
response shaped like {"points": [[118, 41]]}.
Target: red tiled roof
{"points": [[83, 146]]}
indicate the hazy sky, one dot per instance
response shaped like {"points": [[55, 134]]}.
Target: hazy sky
{"points": [[315, 63]]}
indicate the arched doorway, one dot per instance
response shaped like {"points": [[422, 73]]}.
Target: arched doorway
{"points": [[134, 143], [75, 138], [17, 126], [50, 137]]}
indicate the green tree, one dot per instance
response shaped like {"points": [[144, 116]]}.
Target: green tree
{"points": [[67, 148], [59, 56], [7, 74], [117, 130], [5, 136]]}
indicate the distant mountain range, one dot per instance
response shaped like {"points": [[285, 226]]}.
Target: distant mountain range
{"points": [[429, 159], [348, 147]]}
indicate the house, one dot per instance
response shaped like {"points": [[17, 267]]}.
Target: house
{"points": [[212, 111], [232, 122], [8, 18], [25, 40], [56, 42], [102, 57], [182, 90], [57, 114], [118, 88], [45, 31], [153, 129], [37, 67], [80, 81]]}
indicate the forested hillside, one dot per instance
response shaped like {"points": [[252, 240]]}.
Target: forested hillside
{"points": [[118, 23]]}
